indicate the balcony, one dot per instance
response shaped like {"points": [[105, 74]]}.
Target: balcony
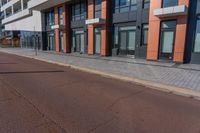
{"points": [[16, 16], [44, 4], [171, 11]]}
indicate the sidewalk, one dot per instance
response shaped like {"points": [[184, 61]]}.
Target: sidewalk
{"points": [[178, 75]]}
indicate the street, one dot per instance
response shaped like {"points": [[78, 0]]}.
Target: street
{"points": [[38, 97]]}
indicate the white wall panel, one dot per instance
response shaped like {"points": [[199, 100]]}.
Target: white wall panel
{"points": [[27, 24]]}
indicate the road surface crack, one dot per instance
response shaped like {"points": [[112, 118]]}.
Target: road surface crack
{"points": [[123, 98], [100, 125], [35, 107]]}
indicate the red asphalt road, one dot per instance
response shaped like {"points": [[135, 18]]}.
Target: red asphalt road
{"points": [[38, 97]]}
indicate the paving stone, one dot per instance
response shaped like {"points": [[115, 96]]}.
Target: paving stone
{"points": [[182, 75]]}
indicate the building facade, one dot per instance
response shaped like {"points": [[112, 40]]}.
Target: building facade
{"points": [[22, 27], [166, 30]]}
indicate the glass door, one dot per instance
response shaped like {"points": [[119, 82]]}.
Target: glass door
{"points": [[77, 43], [127, 40], [123, 43], [61, 42], [131, 42], [168, 29], [51, 41], [97, 40], [82, 43]]}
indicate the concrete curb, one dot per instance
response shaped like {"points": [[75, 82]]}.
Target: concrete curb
{"points": [[153, 85]]}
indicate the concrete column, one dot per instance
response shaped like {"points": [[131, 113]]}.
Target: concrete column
{"points": [[90, 28], [66, 23], [57, 34]]}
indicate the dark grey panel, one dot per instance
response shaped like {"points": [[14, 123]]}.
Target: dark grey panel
{"points": [[121, 17], [77, 24], [145, 16], [198, 6], [189, 56], [195, 58], [132, 16]]}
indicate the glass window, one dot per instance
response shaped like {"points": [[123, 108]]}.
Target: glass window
{"points": [[145, 29], [168, 24], [60, 12], [167, 46], [169, 3], [79, 11], [133, 5], [50, 17], [98, 8], [197, 38], [125, 5], [146, 4]]}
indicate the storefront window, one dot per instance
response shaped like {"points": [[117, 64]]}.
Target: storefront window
{"points": [[197, 39], [169, 3]]}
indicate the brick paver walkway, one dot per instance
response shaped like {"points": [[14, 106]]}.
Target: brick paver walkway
{"points": [[179, 75]]}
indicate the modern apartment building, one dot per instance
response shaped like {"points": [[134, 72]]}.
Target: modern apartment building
{"points": [[102, 27], [22, 27], [166, 30]]}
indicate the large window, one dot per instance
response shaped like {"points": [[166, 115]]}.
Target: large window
{"points": [[60, 12], [197, 39], [125, 5], [145, 29], [169, 3], [50, 17], [98, 7], [79, 11]]}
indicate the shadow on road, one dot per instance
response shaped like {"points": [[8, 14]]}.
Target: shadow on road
{"points": [[7, 63], [31, 72]]}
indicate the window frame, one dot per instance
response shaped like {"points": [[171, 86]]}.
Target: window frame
{"points": [[163, 6], [130, 6], [82, 15]]}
